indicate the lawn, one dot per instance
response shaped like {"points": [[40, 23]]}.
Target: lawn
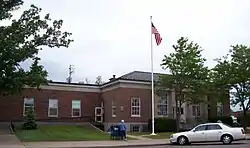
{"points": [[164, 135], [62, 133]]}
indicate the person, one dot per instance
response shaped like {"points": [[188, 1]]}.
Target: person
{"points": [[123, 129]]}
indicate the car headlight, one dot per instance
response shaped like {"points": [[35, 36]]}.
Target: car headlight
{"points": [[171, 136]]}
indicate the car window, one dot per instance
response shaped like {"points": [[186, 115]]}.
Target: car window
{"points": [[214, 127], [200, 128]]}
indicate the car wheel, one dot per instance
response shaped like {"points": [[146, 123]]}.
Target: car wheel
{"points": [[227, 139], [182, 140]]}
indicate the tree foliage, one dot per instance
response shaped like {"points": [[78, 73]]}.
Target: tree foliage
{"points": [[29, 121], [188, 72], [22, 39], [233, 72], [99, 80]]}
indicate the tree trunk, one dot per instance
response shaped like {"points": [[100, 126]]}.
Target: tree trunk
{"points": [[177, 115], [244, 118]]}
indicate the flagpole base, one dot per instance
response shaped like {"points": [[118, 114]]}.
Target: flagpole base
{"points": [[153, 134]]}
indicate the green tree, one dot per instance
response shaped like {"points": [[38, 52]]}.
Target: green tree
{"points": [[99, 80], [233, 72], [21, 39], [29, 121], [187, 73]]}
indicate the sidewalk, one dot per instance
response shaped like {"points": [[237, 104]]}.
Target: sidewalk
{"points": [[7, 140], [10, 141], [92, 144]]}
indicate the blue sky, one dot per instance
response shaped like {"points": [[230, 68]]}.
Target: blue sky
{"points": [[112, 37]]}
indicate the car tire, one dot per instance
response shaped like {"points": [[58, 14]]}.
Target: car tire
{"points": [[226, 139], [182, 140]]}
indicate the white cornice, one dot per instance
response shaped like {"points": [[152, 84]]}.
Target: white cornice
{"points": [[98, 89]]}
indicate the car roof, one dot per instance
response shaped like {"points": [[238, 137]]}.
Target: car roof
{"points": [[211, 124]]}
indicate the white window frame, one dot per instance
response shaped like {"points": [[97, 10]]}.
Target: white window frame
{"points": [[196, 111], [219, 109], [49, 115], [113, 108], [162, 104], [135, 106], [24, 111], [80, 110]]}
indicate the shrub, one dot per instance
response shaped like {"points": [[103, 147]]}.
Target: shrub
{"points": [[224, 119], [244, 120], [29, 121], [163, 125]]}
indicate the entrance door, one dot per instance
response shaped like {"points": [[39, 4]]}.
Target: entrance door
{"points": [[98, 114]]}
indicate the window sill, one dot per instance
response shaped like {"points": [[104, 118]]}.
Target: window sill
{"points": [[162, 115], [113, 116], [51, 116], [136, 116]]}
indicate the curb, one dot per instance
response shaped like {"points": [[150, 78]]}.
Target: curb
{"points": [[123, 146], [135, 145]]}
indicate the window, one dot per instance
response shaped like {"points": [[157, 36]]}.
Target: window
{"points": [[135, 128], [196, 110], [27, 104], [213, 127], [162, 106], [113, 108], [200, 128], [219, 109], [135, 107], [181, 111], [76, 108], [53, 108], [178, 110]]}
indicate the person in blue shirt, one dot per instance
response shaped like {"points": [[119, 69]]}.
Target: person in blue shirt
{"points": [[123, 130]]}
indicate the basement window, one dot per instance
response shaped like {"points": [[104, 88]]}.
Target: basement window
{"points": [[135, 128]]}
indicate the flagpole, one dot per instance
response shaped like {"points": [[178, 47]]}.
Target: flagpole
{"points": [[152, 81]]}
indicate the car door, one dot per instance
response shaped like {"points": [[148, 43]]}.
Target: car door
{"points": [[213, 132], [198, 134]]}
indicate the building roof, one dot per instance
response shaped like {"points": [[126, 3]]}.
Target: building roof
{"points": [[140, 76], [132, 76]]}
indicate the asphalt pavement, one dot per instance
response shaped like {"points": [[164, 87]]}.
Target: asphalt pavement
{"points": [[240, 144]]}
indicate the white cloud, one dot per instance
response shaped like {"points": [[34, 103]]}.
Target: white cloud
{"points": [[113, 37]]}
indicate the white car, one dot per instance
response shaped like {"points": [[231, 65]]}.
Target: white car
{"points": [[209, 132]]}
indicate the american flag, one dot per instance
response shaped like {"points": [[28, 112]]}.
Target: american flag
{"points": [[158, 38]]}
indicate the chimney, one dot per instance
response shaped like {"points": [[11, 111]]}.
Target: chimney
{"points": [[113, 78]]}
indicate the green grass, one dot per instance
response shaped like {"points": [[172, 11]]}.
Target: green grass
{"points": [[62, 133], [164, 135]]}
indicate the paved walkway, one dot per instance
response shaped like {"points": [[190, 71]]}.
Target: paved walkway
{"points": [[7, 140], [91, 144], [138, 137]]}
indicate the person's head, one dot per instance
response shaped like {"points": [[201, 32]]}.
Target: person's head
{"points": [[122, 121]]}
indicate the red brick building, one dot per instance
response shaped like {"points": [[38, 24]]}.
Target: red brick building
{"points": [[127, 97]]}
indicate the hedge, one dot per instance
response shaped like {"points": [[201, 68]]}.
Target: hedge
{"points": [[224, 119], [163, 125], [244, 120]]}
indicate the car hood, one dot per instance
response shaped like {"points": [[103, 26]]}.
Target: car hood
{"points": [[181, 133]]}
